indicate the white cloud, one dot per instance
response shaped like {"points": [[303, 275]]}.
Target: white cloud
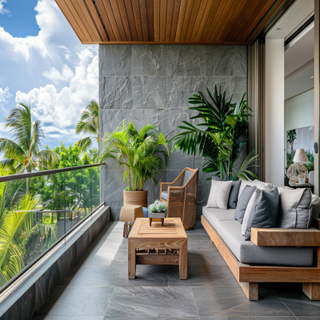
{"points": [[62, 108], [4, 96], [51, 72], [58, 77], [3, 10]]}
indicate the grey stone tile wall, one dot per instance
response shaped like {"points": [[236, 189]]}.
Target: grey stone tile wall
{"points": [[152, 84]]}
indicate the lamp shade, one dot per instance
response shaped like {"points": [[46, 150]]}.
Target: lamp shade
{"points": [[300, 156]]}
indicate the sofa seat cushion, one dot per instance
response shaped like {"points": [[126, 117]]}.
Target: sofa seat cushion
{"points": [[216, 215], [247, 252]]}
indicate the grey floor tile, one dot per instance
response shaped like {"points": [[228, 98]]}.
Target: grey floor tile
{"points": [[258, 318], [302, 309], [96, 276], [73, 318], [82, 301], [152, 302]]}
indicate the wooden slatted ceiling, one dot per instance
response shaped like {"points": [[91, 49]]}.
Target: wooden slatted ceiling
{"points": [[168, 21]]}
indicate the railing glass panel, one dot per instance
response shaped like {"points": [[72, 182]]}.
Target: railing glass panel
{"points": [[37, 210]]}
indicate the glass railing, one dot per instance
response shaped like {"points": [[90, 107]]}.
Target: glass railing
{"points": [[39, 209]]}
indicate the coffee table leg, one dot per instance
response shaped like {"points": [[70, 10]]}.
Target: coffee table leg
{"points": [[131, 261], [183, 261]]}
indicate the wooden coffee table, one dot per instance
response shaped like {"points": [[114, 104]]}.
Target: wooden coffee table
{"points": [[158, 245]]}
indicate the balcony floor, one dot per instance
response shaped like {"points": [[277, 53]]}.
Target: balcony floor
{"points": [[98, 288]]}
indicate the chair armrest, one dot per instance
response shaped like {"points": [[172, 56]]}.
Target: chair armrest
{"points": [[164, 186], [278, 237], [176, 194]]}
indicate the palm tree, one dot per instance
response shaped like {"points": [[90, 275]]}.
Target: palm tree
{"points": [[23, 152], [89, 123]]}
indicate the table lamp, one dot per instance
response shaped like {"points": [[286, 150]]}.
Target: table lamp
{"points": [[297, 172]]}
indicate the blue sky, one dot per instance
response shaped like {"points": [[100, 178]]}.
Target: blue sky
{"points": [[44, 65]]}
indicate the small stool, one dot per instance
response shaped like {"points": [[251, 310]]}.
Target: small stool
{"points": [[128, 214]]}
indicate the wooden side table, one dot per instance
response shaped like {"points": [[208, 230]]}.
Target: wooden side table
{"points": [[128, 214]]}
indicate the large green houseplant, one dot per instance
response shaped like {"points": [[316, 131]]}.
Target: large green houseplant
{"points": [[217, 134], [140, 154]]}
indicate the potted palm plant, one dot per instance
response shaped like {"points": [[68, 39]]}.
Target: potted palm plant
{"points": [[141, 156], [218, 136]]}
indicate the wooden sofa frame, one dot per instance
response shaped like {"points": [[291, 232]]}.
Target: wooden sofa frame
{"points": [[249, 276]]}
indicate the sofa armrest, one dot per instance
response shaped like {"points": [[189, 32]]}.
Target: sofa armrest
{"points": [[278, 237], [176, 194]]}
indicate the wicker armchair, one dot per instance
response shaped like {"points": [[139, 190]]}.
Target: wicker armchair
{"points": [[181, 197]]}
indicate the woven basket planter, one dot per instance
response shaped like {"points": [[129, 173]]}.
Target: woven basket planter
{"points": [[138, 198]]}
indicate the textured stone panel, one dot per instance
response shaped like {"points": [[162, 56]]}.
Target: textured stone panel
{"points": [[148, 60], [186, 60], [238, 85], [226, 61], [149, 92], [115, 60], [115, 93]]}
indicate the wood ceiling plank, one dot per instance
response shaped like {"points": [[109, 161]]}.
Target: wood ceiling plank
{"points": [[144, 19], [105, 20], [260, 25], [215, 22], [196, 11], [230, 8], [213, 13], [124, 18], [175, 18], [137, 18], [234, 18], [131, 21], [85, 13], [156, 16], [238, 23], [252, 10], [170, 9], [163, 19], [118, 19], [150, 14], [77, 12], [258, 17], [71, 19], [97, 20], [204, 11], [187, 19], [181, 18]]}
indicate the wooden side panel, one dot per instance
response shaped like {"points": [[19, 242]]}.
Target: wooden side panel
{"points": [[311, 290], [285, 237]]}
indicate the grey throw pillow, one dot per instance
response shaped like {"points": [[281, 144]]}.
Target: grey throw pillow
{"points": [[315, 207], [295, 208], [265, 211], [233, 196], [243, 202]]}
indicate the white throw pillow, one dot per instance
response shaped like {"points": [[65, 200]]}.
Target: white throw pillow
{"points": [[250, 206], [257, 183], [219, 194]]}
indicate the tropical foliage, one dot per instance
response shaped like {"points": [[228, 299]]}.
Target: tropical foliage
{"points": [[23, 153], [217, 134], [89, 123], [139, 152]]}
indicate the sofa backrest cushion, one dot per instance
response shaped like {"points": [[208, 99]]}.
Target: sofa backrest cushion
{"points": [[233, 196], [315, 207], [257, 183], [243, 202], [219, 194], [249, 209], [295, 209], [264, 213], [187, 175]]}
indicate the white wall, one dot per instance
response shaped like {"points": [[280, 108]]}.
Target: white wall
{"points": [[274, 112], [299, 111]]}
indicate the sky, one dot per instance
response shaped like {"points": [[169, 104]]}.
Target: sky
{"points": [[44, 65]]}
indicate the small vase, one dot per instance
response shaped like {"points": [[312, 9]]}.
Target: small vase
{"points": [[302, 180]]}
